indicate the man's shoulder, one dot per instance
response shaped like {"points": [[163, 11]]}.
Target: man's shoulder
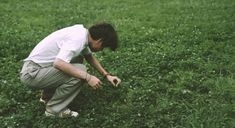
{"points": [[78, 27], [76, 32], [73, 28]]}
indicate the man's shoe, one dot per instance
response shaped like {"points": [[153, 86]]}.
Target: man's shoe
{"points": [[63, 114]]}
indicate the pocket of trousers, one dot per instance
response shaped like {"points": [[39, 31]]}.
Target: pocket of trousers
{"points": [[28, 77], [33, 71]]}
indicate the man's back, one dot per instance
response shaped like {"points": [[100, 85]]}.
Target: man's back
{"points": [[71, 38]]}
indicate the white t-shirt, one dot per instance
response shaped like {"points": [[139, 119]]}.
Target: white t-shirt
{"points": [[64, 44]]}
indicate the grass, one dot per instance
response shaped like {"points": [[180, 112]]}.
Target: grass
{"points": [[176, 61]]}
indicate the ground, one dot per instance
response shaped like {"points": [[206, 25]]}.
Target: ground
{"points": [[176, 60]]}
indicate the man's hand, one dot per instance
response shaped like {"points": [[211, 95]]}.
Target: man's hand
{"points": [[93, 81], [114, 80]]}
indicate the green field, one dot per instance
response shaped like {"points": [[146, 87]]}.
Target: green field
{"points": [[176, 60]]}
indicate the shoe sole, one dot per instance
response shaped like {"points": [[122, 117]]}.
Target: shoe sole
{"points": [[53, 115], [49, 114]]}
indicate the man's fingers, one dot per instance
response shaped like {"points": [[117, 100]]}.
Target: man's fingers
{"points": [[118, 81], [112, 82], [99, 86], [115, 81], [100, 83], [94, 87]]}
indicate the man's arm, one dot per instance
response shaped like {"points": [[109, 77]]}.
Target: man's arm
{"points": [[96, 64], [69, 69], [78, 73]]}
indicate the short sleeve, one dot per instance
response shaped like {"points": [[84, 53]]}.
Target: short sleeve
{"points": [[69, 49], [65, 55]]}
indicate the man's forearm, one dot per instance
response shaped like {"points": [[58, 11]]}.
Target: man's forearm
{"points": [[96, 64], [70, 69]]}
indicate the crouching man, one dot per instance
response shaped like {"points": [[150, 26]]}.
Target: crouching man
{"points": [[55, 65]]}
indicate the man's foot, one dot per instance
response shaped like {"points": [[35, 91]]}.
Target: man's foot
{"points": [[63, 114]]}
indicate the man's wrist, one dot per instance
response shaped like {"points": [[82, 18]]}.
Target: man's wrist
{"points": [[106, 74], [88, 77]]}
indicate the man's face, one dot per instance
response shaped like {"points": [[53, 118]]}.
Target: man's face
{"points": [[95, 46]]}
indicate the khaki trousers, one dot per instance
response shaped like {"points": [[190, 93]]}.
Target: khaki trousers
{"points": [[45, 76]]}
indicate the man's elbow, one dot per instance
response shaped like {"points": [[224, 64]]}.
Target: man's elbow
{"points": [[57, 63]]}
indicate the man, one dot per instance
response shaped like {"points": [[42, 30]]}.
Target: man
{"points": [[55, 66]]}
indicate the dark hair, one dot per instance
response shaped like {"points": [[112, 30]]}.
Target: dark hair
{"points": [[106, 33]]}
